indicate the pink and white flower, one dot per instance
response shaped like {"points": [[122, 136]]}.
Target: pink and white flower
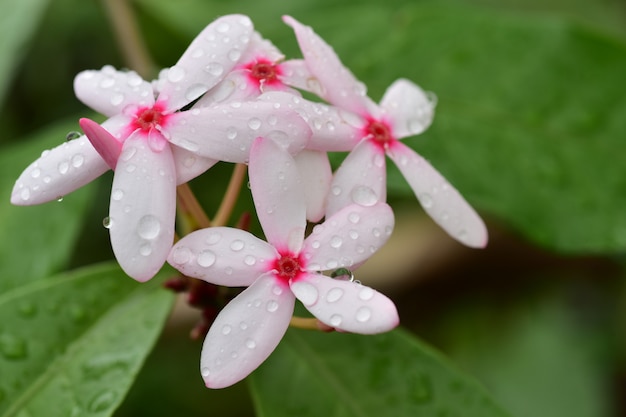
{"points": [[404, 110], [250, 326]]}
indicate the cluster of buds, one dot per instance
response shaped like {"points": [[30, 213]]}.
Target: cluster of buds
{"points": [[233, 97]]}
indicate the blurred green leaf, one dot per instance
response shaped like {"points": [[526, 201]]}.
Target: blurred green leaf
{"points": [[71, 345], [36, 241], [547, 354], [393, 374], [18, 23]]}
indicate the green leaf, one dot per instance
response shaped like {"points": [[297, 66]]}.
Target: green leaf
{"points": [[18, 23], [393, 374], [36, 241], [73, 344]]}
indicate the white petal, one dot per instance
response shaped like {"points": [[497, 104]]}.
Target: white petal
{"points": [[233, 88], [337, 84], [316, 175], [189, 165], [330, 130], [278, 195], [222, 256], [226, 132], [246, 332], [260, 48], [207, 60], [143, 208], [348, 237], [109, 91], [58, 172], [410, 108], [346, 305], [296, 74], [361, 178], [439, 199]]}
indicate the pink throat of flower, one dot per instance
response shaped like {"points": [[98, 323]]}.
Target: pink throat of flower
{"points": [[148, 118], [263, 72], [379, 132], [288, 268]]}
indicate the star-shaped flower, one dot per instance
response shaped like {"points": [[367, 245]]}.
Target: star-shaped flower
{"points": [[250, 326], [405, 110]]}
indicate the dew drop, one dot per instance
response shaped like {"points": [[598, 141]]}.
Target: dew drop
{"points": [[145, 249], [12, 347], [226, 329], [277, 290], [354, 217], [72, 135], [117, 194], [271, 306], [205, 372], [336, 242], [231, 133], [363, 314], [249, 260], [334, 295], [234, 55], [206, 258], [107, 82], [149, 227], [25, 194], [213, 238], [237, 245], [335, 320], [335, 190], [117, 99], [197, 53], [107, 222], [364, 196], [305, 292], [175, 74], [254, 123], [215, 69], [63, 167], [354, 235], [128, 153], [426, 200], [379, 160], [223, 27], [332, 264], [35, 173], [243, 325], [250, 344], [376, 232], [181, 255]]}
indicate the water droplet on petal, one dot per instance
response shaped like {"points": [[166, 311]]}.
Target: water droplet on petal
{"points": [[277, 290], [117, 194], [364, 196], [305, 292], [335, 320], [145, 249], [271, 306], [249, 260], [63, 167], [254, 123], [336, 242], [149, 227], [237, 245], [426, 200], [354, 235], [226, 329], [25, 194], [107, 222], [205, 372], [223, 27], [213, 238], [334, 295], [366, 293], [206, 258], [231, 133], [128, 153], [363, 314], [175, 74], [214, 68], [250, 344], [335, 190], [117, 99], [234, 55], [72, 135], [181, 255]]}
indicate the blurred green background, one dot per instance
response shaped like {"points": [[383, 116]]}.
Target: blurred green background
{"points": [[530, 127]]}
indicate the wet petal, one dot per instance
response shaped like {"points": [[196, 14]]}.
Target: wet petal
{"points": [[246, 332], [278, 195], [346, 305], [189, 165], [337, 84], [226, 132], [409, 107], [222, 256], [330, 130], [207, 60], [109, 91], [361, 178], [439, 199], [348, 237], [260, 47], [58, 172], [143, 208], [234, 87], [316, 175], [296, 74], [106, 144]]}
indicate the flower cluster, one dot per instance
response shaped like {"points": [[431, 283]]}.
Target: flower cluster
{"points": [[232, 97]]}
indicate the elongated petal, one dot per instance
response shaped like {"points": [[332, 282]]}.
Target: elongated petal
{"points": [[226, 132], [58, 172], [346, 305], [330, 130], [348, 237], [233, 88], [361, 178], [189, 165], [210, 56], [409, 107], [316, 175], [108, 146], [296, 74], [259, 47], [222, 256], [246, 332], [143, 208], [337, 84], [279, 197], [439, 199], [109, 91]]}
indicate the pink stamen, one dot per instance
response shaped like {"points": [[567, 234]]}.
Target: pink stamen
{"points": [[263, 72], [148, 118], [379, 132], [288, 268]]}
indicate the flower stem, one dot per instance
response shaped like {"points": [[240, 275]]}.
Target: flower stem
{"points": [[230, 197], [131, 43], [309, 324], [189, 207]]}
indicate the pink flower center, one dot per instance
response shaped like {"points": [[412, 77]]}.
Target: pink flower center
{"points": [[380, 132], [263, 72], [148, 118], [288, 268]]}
